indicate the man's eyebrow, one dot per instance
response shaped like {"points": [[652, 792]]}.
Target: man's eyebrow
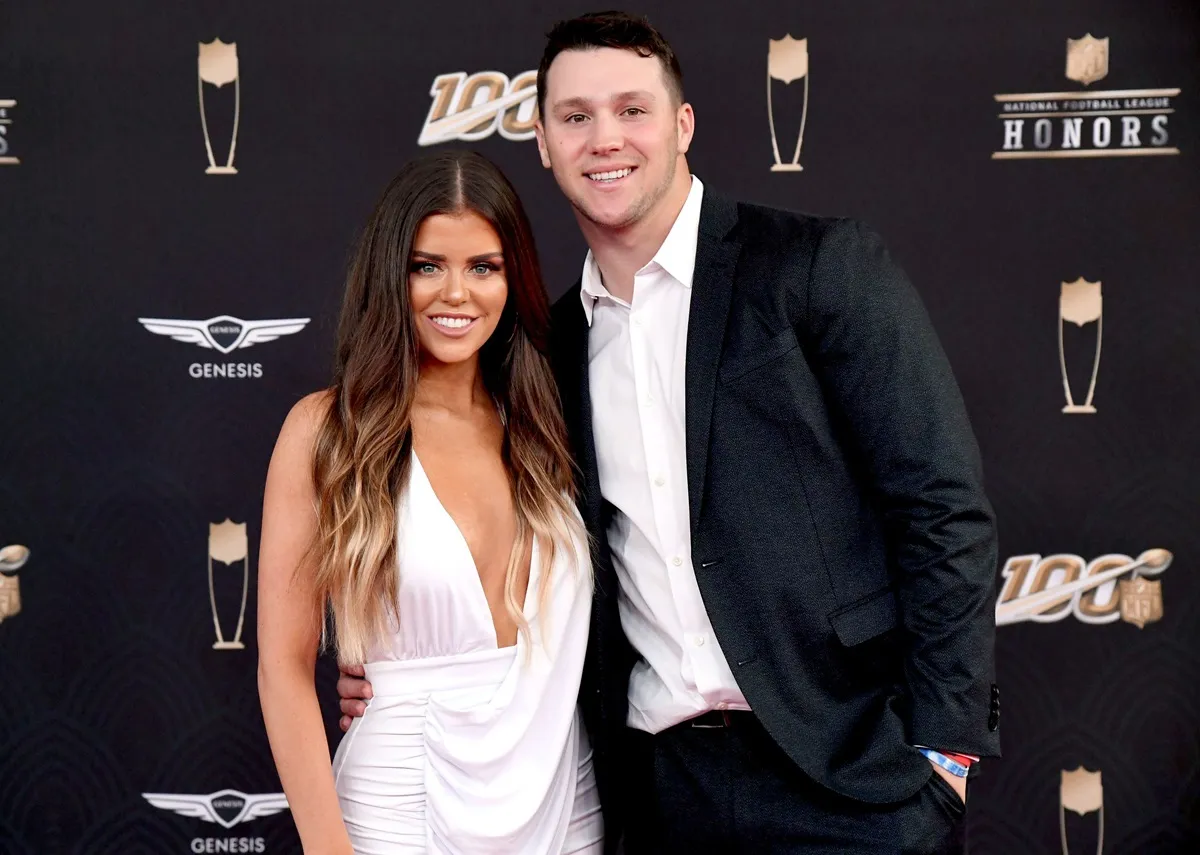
{"points": [[580, 103]]}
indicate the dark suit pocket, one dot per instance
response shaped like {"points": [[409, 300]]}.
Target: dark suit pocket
{"points": [[737, 365], [865, 619], [945, 796], [934, 821]]}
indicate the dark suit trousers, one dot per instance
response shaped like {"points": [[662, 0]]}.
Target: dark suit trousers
{"points": [[731, 789]]}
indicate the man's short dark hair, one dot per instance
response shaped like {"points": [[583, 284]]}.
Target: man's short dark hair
{"points": [[619, 30]]}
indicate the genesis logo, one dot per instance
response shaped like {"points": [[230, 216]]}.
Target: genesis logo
{"points": [[224, 334], [226, 808]]}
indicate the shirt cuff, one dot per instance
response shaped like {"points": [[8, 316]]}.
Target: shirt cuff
{"points": [[962, 758], [950, 764]]}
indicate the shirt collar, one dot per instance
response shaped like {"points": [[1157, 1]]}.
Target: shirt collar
{"points": [[677, 255]]}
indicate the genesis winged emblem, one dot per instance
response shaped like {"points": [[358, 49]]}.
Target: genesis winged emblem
{"points": [[245, 807], [242, 333]]}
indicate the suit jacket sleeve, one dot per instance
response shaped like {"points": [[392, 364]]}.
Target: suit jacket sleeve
{"points": [[904, 426]]}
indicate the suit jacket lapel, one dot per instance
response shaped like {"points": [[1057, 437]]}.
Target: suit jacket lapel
{"points": [[712, 287], [577, 408]]}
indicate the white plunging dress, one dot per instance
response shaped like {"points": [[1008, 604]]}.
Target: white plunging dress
{"points": [[467, 748]]}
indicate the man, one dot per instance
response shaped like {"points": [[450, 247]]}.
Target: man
{"points": [[795, 558]]}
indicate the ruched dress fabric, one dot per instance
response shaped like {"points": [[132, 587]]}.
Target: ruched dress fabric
{"points": [[467, 748]]}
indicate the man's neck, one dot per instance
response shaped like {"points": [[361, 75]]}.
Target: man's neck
{"points": [[621, 253]]}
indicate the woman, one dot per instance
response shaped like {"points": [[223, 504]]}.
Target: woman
{"points": [[425, 500]]}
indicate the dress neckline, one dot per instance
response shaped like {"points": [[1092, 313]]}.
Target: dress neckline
{"points": [[478, 592]]}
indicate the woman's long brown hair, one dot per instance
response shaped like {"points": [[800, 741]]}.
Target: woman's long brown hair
{"points": [[362, 455]]}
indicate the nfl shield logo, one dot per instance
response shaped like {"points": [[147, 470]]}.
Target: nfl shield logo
{"points": [[10, 597], [1141, 601], [218, 62], [1087, 59], [227, 541], [1081, 791]]}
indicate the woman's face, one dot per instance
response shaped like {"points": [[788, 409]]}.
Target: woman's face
{"points": [[457, 285]]}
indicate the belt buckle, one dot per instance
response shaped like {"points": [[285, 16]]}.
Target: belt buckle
{"points": [[726, 721]]}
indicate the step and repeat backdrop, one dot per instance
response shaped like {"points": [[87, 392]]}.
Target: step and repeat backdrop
{"points": [[180, 186]]}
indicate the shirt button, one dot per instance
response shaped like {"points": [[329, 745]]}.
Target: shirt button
{"points": [[659, 481], [677, 561], [698, 641], [637, 322], [722, 706]]}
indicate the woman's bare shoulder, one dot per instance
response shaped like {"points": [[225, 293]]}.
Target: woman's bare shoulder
{"points": [[302, 424]]}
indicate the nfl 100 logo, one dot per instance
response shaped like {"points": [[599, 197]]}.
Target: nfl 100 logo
{"points": [[7, 107], [471, 107]]}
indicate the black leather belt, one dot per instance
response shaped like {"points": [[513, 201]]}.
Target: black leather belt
{"points": [[721, 718]]}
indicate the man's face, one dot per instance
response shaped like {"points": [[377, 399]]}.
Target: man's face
{"points": [[612, 133]]}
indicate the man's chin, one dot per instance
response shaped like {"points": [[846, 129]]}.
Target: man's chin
{"points": [[610, 218]]}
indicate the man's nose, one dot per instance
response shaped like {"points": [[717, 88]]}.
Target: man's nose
{"points": [[607, 135]]}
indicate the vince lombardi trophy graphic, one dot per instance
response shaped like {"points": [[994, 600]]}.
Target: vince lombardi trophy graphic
{"points": [[12, 559], [1080, 303], [1081, 792], [787, 61], [228, 545], [217, 64]]}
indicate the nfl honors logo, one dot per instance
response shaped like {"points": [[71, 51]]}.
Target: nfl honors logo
{"points": [[1088, 123]]}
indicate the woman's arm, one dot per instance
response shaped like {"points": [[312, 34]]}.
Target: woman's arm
{"points": [[289, 625]]}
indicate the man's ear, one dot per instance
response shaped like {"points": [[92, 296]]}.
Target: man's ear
{"points": [[540, 132], [685, 125]]}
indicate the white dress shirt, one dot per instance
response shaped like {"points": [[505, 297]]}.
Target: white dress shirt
{"points": [[636, 359]]}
